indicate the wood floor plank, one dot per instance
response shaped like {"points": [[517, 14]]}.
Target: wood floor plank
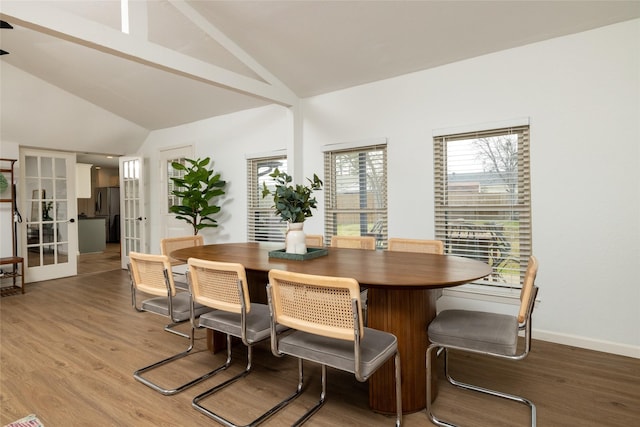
{"points": [[69, 348]]}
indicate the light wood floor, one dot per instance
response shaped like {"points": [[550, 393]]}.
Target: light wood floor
{"points": [[69, 348]]}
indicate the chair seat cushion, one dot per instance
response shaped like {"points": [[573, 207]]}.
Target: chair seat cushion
{"points": [[475, 330], [181, 306], [375, 348], [258, 323]]}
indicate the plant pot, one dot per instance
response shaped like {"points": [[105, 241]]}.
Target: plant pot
{"points": [[295, 240]]}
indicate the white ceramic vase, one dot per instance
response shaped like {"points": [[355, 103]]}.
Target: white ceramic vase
{"points": [[295, 241]]}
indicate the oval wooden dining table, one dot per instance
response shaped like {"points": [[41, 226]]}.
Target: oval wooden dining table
{"points": [[400, 299]]}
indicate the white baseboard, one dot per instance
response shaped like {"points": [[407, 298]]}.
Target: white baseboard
{"points": [[588, 343]]}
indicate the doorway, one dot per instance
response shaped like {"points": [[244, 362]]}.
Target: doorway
{"points": [[104, 255]]}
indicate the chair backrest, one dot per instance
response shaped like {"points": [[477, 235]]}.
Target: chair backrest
{"points": [[151, 274], [314, 240], [319, 305], [353, 242], [528, 292], [416, 245], [170, 244], [219, 285]]}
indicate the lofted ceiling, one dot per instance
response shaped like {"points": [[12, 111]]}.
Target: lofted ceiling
{"points": [[73, 80]]}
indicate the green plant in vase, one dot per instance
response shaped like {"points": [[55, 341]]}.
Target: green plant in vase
{"points": [[294, 204], [196, 189]]}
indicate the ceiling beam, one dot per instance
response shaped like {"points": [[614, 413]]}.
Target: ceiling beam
{"points": [[94, 35], [212, 31]]}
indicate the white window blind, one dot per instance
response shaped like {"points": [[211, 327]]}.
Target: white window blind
{"points": [[262, 224], [483, 200], [356, 192]]}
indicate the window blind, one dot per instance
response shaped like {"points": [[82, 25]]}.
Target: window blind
{"points": [[483, 200], [262, 223], [356, 193]]}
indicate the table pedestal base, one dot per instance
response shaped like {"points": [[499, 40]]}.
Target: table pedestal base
{"points": [[406, 314]]}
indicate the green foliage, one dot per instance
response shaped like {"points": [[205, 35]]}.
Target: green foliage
{"points": [[196, 189], [292, 203]]}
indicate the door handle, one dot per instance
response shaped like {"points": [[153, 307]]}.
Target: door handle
{"points": [[72, 220]]}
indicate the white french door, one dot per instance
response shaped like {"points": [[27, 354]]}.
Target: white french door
{"points": [[49, 231], [133, 218]]}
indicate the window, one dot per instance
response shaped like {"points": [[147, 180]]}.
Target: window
{"points": [[483, 200], [356, 191], [262, 224]]}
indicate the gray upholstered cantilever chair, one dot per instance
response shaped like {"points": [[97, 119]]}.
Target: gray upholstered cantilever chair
{"points": [[151, 274], [324, 314], [170, 244], [223, 287], [483, 333]]}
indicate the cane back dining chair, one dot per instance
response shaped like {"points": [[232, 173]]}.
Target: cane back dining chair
{"points": [[416, 245], [489, 334], [314, 240], [353, 242], [324, 314], [398, 244], [223, 287], [170, 244], [151, 275], [357, 242]]}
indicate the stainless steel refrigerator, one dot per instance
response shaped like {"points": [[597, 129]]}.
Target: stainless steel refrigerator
{"points": [[108, 206]]}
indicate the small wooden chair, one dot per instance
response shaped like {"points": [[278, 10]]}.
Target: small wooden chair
{"points": [[170, 244], [487, 334], [354, 242]]}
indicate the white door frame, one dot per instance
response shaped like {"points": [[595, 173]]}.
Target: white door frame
{"points": [[55, 254], [133, 205]]}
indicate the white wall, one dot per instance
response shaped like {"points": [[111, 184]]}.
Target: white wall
{"points": [[227, 140], [582, 95]]}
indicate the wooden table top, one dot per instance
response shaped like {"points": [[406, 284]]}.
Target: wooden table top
{"points": [[373, 269]]}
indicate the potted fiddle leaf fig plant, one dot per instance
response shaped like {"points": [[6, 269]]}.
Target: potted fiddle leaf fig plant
{"points": [[294, 204], [197, 189]]}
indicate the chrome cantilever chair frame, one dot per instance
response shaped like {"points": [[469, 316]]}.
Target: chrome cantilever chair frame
{"points": [[211, 284], [523, 320], [327, 342], [164, 306], [174, 321]]}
